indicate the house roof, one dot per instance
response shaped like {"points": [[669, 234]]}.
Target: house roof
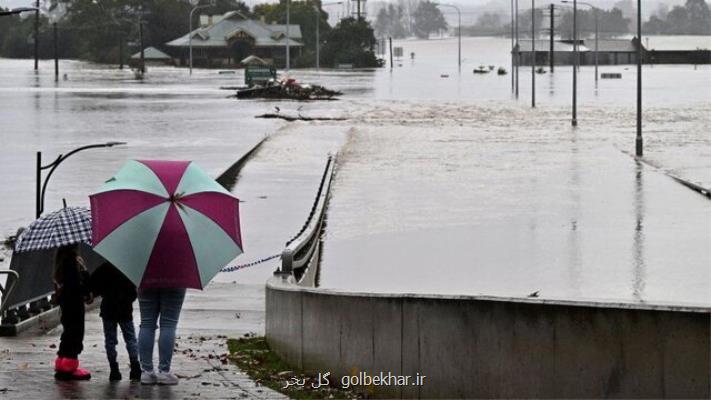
{"points": [[612, 45], [151, 53], [544, 45], [233, 24], [676, 43]]}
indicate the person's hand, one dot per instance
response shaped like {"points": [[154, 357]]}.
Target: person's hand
{"points": [[81, 262]]}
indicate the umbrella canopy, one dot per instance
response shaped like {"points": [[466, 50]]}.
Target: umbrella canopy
{"points": [[166, 224], [70, 225]]}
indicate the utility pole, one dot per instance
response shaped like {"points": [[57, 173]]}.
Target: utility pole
{"points": [[288, 44], [639, 144], [512, 47], [550, 54], [121, 53], [358, 10], [533, 53], [56, 53], [574, 121], [37, 5], [140, 35], [518, 50], [391, 53]]}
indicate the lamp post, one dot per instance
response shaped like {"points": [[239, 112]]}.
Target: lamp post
{"points": [[597, 32], [55, 13], [41, 187], [459, 32], [37, 6], [639, 144], [196, 7]]}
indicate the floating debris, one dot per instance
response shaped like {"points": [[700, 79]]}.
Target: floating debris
{"points": [[541, 70], [502, 71], [287, 89], [481, 70]]}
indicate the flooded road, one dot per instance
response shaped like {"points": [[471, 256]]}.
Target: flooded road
{"points": [[446, 184]]}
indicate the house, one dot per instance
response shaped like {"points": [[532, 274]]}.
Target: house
{"points": [[662, 50], [562, 51], [151, 55], [227, 39]]}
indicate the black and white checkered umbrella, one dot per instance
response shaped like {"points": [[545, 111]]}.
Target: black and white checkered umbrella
{"points": [[69, 225]]}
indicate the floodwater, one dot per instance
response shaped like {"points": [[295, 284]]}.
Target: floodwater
{"points": [[446, 184]]}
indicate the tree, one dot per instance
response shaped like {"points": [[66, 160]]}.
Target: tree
{"points": [[486, 25], [351, 42], [389, 22], [611, 23], [428, 19], [302, 13], [693, 18]]}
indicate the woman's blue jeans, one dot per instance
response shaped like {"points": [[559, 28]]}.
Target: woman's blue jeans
{"points": [[158, 305]]}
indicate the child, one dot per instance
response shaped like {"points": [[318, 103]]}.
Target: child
{"points": [[70, 282], [117, 296]]}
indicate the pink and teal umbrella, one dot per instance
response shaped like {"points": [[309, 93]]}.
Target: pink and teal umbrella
{"points": [[165, 224]]}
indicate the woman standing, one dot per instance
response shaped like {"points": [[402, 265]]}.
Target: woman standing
{"points": [[164, 305]]}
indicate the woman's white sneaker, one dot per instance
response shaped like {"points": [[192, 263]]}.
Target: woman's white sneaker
{"points": [[148, 378], [166, 378]]}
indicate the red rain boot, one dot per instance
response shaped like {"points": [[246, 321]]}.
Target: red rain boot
{"points": [[69, 370]]}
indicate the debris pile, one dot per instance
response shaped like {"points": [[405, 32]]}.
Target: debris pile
{"points": [[287, 89]]}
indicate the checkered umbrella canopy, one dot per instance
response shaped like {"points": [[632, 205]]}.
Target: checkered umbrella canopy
{"points": [[63, 227]]}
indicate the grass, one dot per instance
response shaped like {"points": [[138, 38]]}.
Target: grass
{"points": [[253, 356]]}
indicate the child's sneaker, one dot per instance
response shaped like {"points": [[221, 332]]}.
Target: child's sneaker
{"points": [[148, 378], [166, 378], [135, 374], [115, 374]]}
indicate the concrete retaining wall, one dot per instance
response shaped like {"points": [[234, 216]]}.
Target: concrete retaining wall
{"points": [[473, 347]]}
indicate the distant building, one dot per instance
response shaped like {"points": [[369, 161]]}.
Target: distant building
{"points": [[151, 55], [617, 51], [227, 39]]}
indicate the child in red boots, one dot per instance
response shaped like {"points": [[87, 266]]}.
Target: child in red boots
{"points": [[71, 281]]}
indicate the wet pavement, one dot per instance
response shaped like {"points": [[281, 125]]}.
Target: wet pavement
{"points": [[208, 319]]}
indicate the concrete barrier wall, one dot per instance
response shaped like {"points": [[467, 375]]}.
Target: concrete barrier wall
{"points": [[474, 347]]}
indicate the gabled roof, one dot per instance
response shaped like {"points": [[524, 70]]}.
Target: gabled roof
{"points": [[544, 45], [612, 45], [220, 33], [151, 53]]}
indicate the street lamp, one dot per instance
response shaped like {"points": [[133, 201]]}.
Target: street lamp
{"points": [[459, 31], [196, 7], [55, 13], [597, 32], [42, 187], [512, 47]]}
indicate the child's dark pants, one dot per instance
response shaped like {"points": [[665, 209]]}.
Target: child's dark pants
{"points": [[70, 344], [111, 338]]}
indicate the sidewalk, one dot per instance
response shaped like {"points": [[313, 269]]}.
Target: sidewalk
{"points": [[26, 362]]}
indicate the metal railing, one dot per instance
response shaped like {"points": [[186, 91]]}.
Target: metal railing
{"points": [[302, 250], [5, 291]]}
